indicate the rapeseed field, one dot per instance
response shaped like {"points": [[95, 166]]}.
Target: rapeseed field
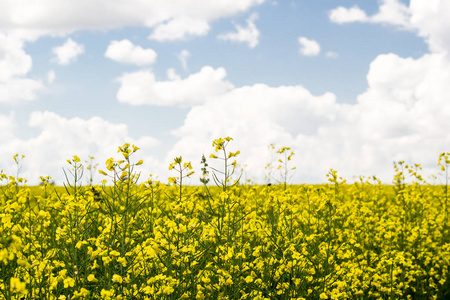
{"points": [[127, 239]]}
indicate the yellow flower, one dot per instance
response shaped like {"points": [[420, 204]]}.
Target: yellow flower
{"points": [[82, 293], [231, 154], [69, 282], [122, 261], [168, 290], [106, 294], [78, 245], [91, 278], [117, 278], [17, 286], [63, 273], [206, 279], [140, 162], [106, 259]]}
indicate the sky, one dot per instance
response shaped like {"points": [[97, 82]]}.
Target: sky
{"points": [[349, 85]]}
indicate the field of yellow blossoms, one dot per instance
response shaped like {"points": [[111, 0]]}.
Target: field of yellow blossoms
{"points": [[127, 239]]}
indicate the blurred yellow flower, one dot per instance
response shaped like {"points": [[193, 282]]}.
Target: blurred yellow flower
{"points": [[91, 278], [117, 278]]}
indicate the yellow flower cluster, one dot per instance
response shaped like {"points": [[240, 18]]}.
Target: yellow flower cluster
{"points": [[156, 241]]}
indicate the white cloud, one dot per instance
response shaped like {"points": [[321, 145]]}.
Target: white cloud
{"points": [[428, 18], [432, 22], [256, 116], [171, 20], [249, 34], [392, 12], [183, 56], [68, 52], [403, 115], [13, 59], [308, 47], [407, 95], [172, 75], [25, 21], [125, 52], [60, 138], [15, 89], [141, 87], [14, 64], [180, 28], [342, 15]]}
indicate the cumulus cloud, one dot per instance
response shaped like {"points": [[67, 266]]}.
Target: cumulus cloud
{"points": [[125, 52], [249, 34], [141, 87], [431, 21], [180, 28], [308, 47], [173, 20], [256, 116], [68, 52], [25, 21], [392, 12], [407, 95], [14, 65], [341, 15], [60, 138], [15, 89], [13, 59], [401, 116]]}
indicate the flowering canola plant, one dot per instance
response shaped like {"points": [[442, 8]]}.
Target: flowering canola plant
{"points": [[130, 240]]}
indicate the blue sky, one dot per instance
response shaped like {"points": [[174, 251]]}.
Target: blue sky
{"points": [[354, 97]]}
